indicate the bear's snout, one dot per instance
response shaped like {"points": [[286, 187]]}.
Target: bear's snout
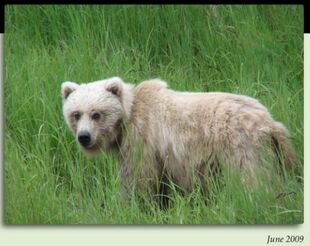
{"points": [[84, 138]]}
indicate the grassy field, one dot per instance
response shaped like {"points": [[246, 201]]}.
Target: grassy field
{"points": [[251, 50]]}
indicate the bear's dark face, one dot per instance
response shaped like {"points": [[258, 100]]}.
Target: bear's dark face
{"points": [[94, 113]]}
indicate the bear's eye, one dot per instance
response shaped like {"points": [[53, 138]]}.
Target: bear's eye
{"points": [[96, 116], [76, 115]]}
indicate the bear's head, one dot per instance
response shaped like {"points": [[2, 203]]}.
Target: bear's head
{"points": [[95, 112]]}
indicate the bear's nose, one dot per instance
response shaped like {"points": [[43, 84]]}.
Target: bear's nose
{"points": [[84, 138]]}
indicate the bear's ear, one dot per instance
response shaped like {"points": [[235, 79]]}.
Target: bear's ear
{"points": [[68, 87], [115, 86]]}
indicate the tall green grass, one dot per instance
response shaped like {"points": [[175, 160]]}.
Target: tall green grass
{"points": [[251, 50]]}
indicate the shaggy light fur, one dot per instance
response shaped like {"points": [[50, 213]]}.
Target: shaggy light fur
{"points": [[160, 133]]}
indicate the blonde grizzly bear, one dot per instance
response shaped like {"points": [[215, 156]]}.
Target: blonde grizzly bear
{"points": [[162, 134]]}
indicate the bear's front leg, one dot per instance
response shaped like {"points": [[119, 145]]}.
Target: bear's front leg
{"points": [[138, 173]]}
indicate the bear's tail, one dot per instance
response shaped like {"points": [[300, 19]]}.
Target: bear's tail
{"points": [[282, 146]]}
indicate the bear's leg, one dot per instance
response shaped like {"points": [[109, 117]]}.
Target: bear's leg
{"points": [[242, 161], [138, 175], [163, 192], [162, 188], [209, 171]]}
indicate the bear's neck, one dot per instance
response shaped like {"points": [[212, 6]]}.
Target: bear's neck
{"points": [[127, 99], [117, 142]]}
